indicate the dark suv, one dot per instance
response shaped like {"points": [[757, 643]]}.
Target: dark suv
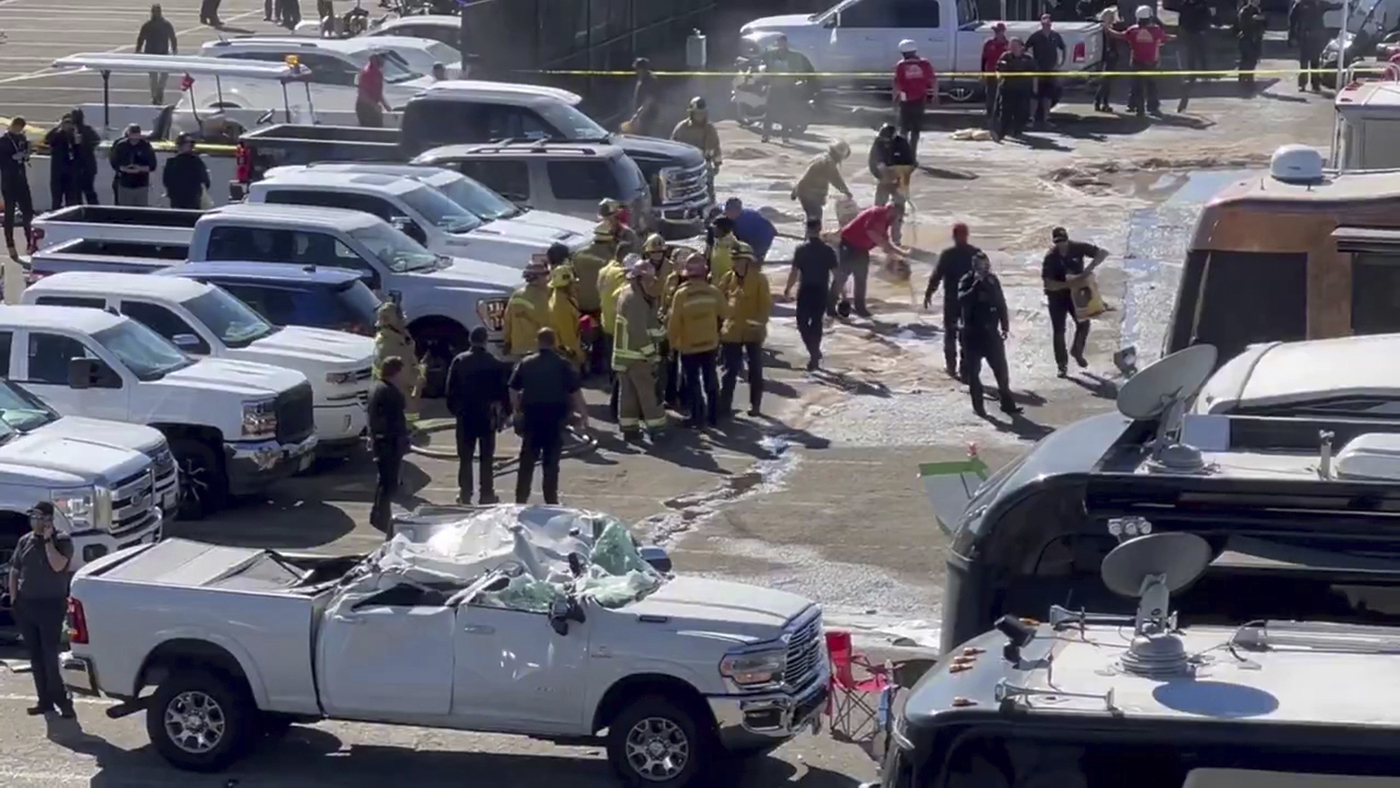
{"points": [[287, 295]]}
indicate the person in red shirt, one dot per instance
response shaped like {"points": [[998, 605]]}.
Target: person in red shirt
{"points": [[992, 51], [915, 85], [1145, 41], [370, 105], [861, 236]]}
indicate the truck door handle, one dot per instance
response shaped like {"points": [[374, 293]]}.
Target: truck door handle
{"points": [[348, 619], [478, 629]]}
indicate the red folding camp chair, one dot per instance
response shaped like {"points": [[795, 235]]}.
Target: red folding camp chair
{"points": [[854, 702]]}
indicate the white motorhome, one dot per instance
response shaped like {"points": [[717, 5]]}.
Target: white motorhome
{"points": [[205, 321]]}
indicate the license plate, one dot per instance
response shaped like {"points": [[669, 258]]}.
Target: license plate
{"points": [[305, 461]]}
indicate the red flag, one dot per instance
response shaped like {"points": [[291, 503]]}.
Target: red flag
{"points": [[186, 83]]}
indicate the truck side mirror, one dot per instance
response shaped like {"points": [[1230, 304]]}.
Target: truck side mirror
{"points": [[832, 21], [81, 372], [186, 341], [559, 616]]}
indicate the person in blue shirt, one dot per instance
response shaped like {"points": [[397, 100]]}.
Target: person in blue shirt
{"points": [[750, 227]]}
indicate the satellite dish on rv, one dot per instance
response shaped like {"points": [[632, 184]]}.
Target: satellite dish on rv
{"points": [[1151, 568], [1297, 164], [1161, 392]]}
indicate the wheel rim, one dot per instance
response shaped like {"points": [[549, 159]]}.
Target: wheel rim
{"points": [[195, 722], [194, 482], [657, 749]]}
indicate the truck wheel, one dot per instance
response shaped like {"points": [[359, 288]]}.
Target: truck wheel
{"points": [[202, 483], [200, 721], [655, 742]]}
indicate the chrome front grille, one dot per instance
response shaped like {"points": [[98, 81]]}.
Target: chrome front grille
{"points": [[363, 374], [133, 502], [804, 653], [686, 184]]}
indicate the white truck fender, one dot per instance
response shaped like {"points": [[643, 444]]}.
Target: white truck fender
{"points": [[245, 660]]}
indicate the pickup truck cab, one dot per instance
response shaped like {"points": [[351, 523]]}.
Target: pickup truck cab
{"points": [[421, 212], [112, 482], [288, 295], [478, 644], [334, 62], [443, 28], [234, 427], [206, 321], [1313, 378], [862, 36]]}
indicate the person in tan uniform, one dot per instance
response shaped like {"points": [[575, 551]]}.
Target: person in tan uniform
{"points": [[610, 214], [392, 339], [692, 327], [823, 174], [527, 311], [564, 315], [635, 353], [587, 264], [654, 251], [750, 304], [697, 130]]}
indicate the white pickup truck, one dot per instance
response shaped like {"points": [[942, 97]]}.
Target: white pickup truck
{"points": [[489, 626], [444, 298], [862, 37], [204, 320], [234, 427], [112, 482]]}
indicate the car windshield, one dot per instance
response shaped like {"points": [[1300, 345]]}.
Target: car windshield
{"points": [[231, 320], [571, 123], [478, 199], [444, 53], [147, 354], [396, 69], [22, 411], [396, 251], [440, 211]]}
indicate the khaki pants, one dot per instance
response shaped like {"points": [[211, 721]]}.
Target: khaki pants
{"points": [[637, 403]]}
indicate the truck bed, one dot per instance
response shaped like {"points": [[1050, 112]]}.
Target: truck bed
{"points": [[304, 133], [165, 226], [116, 214], [126, 257]]}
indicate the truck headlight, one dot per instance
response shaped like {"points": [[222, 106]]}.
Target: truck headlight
{"points": [[85, 509], [754, 670], [340, 378], [259, 419]]}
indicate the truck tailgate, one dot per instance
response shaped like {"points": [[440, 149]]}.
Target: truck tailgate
{"points": [[116, 223]]}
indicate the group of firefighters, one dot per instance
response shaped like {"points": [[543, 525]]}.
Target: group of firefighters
{"points": [[659, 321]]}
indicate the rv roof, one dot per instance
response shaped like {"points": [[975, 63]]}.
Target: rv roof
{"points": [[501, 90], [1350, 187], [1375, 93], [1288, 373]]}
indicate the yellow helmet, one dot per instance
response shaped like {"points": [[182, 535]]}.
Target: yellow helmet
{"points": [[603, 233], [742, 251], [654, 243], [608, 208], [535, 270], [562, 276]]}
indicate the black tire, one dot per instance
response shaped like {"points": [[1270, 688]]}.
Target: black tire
{"points": [[437, 346], [197, 701], [671, 726], [203, 485]]}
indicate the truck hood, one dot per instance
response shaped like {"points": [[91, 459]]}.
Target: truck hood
{"points": [[665, 152], [67, 460], [510, 243], [244, 378], [300, 347], [748, 611], [779, 23], [475, 275], [535, 232], [555, 221], [120, 434]]}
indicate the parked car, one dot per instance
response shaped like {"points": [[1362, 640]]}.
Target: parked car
{"points": [[290, 295]]}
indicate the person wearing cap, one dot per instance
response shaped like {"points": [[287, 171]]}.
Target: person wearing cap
{"points": [[953, 264], [40, 572], [133, 159], [986, 323], [392, 339], [185, 177], [749, 304], [813, 264], [822, 175], [697, 130], [992, 50], [14, 182], [646, 99], [612, 279], [870, 230], [588, 264], [544, 393], [1047, 47], [692, 327], [889, 150], [1145, 41], [719, 245], [157, 37], [750, 227], [1063, 264], [370, 104], [1112, 40], [477, 398], [784, 96], [610, 213], [915, 85], [527, 311], [635, 353], [564, 315]]}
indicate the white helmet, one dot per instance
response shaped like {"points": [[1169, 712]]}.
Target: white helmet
{"points": [[1144, 12], [907, 45]]}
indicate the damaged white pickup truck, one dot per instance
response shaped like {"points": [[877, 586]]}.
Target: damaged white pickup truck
{"points": [[540, 621]]}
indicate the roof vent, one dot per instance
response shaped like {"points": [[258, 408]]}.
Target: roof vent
{"points": [[1297, 164]]}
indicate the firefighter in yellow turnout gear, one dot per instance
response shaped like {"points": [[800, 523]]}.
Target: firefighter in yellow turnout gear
{"points": [[564, 315], [610, 215], [692, 327], [697, 130], [587, 264], [635, 353], [654, 251], [750, 302], [527, 311], [392, 338]]}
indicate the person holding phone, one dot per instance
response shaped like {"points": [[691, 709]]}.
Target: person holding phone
{"points": [[986, 323], [40, 571]]}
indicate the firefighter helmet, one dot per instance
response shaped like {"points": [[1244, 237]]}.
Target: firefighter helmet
{"points": [[654, 243]]}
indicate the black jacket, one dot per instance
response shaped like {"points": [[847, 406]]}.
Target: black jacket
{"points": [[890, 152], [14, 158], [815, 261], [1251, 24], [156, 37], [88, 140], [984, 314], [1305, 21], [476, 382], [1194, 16], [953, 264], [126, 152], [1011, 66], [185, 179], [1046, 49], [64, 152], [388, 421]]}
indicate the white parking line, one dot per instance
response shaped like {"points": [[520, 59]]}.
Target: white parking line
{"points": [[76, 699]]}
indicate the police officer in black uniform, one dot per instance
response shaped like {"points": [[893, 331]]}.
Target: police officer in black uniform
{"points": [[813, 264], [1062, 263], [953, 264], [1307, 29], [40, 571], [14, 182], [389, 439], [476, 397], [985, 326], [544, 390]]}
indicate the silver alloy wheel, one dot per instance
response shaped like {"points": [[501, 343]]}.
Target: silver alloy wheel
{"points": [[657, 749], [195, 722], [194, 482]]}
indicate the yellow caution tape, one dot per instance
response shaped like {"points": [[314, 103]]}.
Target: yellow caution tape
{"points": [[959, 74]]}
